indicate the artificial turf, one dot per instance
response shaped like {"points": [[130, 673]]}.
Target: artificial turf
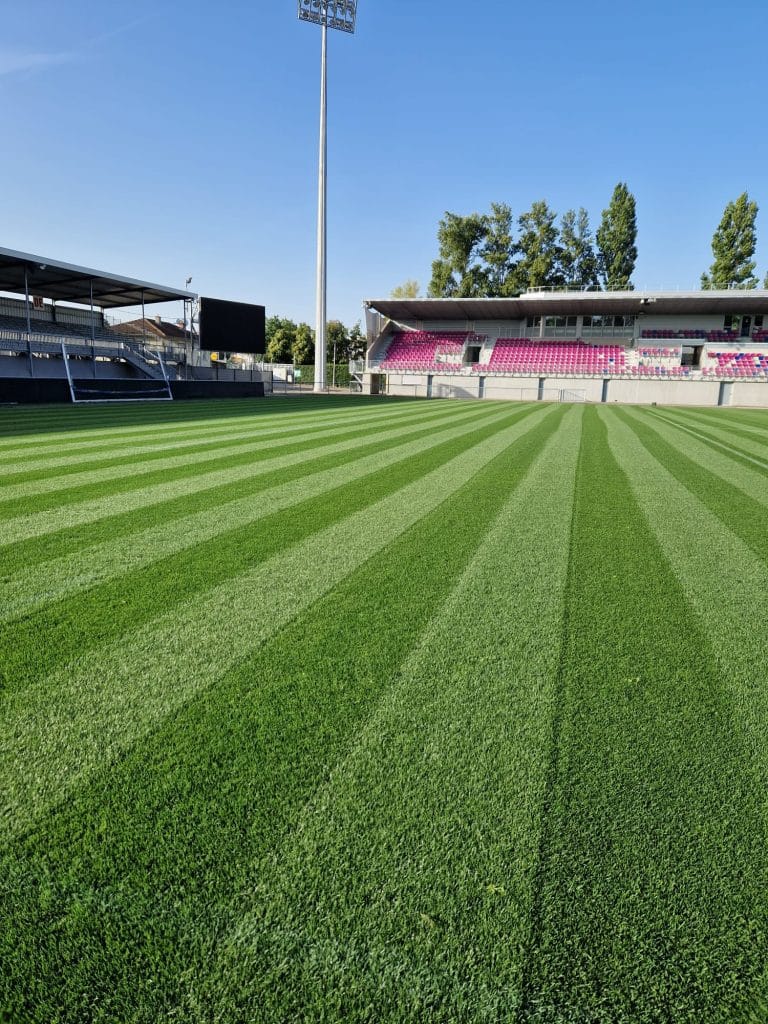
{"points": [[379, 711]]}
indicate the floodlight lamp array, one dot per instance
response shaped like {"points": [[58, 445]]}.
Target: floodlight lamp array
{"points": [[339, 14]]}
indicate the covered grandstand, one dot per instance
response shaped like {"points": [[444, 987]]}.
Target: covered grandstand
{"points": [[56, 337], [683, 348]]}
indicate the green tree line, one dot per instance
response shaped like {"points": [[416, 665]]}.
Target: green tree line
{"points": [[497, 254], [289, 342]]}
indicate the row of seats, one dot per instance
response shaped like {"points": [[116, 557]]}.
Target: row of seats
{"points": [[521, 355], [412, 350], [59, 330], [417, 352], [695, 332], [741, 364], [659, 353], [758, 334]]}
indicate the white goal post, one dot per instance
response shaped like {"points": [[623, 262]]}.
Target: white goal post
{"points": [[131, 390]]}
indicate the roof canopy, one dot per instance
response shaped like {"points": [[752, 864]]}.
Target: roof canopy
{"points": [[65, 282], [579, 303]]}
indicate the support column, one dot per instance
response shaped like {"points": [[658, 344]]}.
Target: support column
{"points": [[93, 335], [29, 321], [143, 320]]}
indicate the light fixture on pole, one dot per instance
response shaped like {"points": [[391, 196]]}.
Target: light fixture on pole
{"points": [[341, 15]]}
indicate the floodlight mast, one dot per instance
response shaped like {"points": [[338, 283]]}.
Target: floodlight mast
{"points": [[341, 15]]}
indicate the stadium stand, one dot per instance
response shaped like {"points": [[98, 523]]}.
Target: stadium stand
{"points": [[667, 347], [418, 350], [523, 355]]}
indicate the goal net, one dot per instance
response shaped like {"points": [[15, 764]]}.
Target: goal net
{"points": [[121, 389]]}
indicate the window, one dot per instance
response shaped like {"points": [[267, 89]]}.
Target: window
{"points": [[534, 321], [560, 321], [607, 320]]}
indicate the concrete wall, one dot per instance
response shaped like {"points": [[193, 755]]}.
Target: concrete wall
{"points": [[516, 389], [665, 392], [750, 394], [626, 391]]}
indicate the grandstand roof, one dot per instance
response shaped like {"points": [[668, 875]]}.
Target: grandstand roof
{"points": [[66, 282], [553, 303]]}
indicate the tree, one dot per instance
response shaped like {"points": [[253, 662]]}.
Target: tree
{"points": [[356, 342], [733, 246], [442, 283], [499, 252], [407, 290], [336, 335], [578, 263], [280, 345], [616, 241], [457, 272], [538, 246], [275, 323], [303, 348]]}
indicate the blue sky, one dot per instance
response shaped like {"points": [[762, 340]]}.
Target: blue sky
{"points": [[180, 139]]}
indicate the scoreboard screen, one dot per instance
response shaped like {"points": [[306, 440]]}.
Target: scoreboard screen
{"points": [[231, 326]]}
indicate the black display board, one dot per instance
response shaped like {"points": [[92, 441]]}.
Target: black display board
{"points": [[231, 326]]}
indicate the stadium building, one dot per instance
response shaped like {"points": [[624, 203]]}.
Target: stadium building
{"points": [[671, 348], [59, 341]]}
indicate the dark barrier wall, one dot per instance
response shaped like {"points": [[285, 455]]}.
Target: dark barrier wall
{"points": [[217, 389], [24, 390]]}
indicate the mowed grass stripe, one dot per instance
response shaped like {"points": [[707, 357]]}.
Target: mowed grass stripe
{"points": [[100, 522], [56, 491], [29, 471], [403, 891], [33, 427], [29, 588], [752, 418], [159, 436], [722, 580], [239, 471], [725, 429], [651, 900], [123, 604], [145, 869], [58, 732], [744, 452], [167, 838], [727, 464], [738, 506]]}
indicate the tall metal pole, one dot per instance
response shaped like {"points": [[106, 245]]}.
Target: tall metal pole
{"points": [[322, 195]]}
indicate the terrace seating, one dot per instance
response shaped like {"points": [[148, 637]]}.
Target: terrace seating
{"points": [[739, 364], [418, 350], [689, 333], [525, 355], [81, 332], [674, 333]]}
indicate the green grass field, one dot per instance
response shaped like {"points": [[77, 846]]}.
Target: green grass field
{"points": [[356, 710]]}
